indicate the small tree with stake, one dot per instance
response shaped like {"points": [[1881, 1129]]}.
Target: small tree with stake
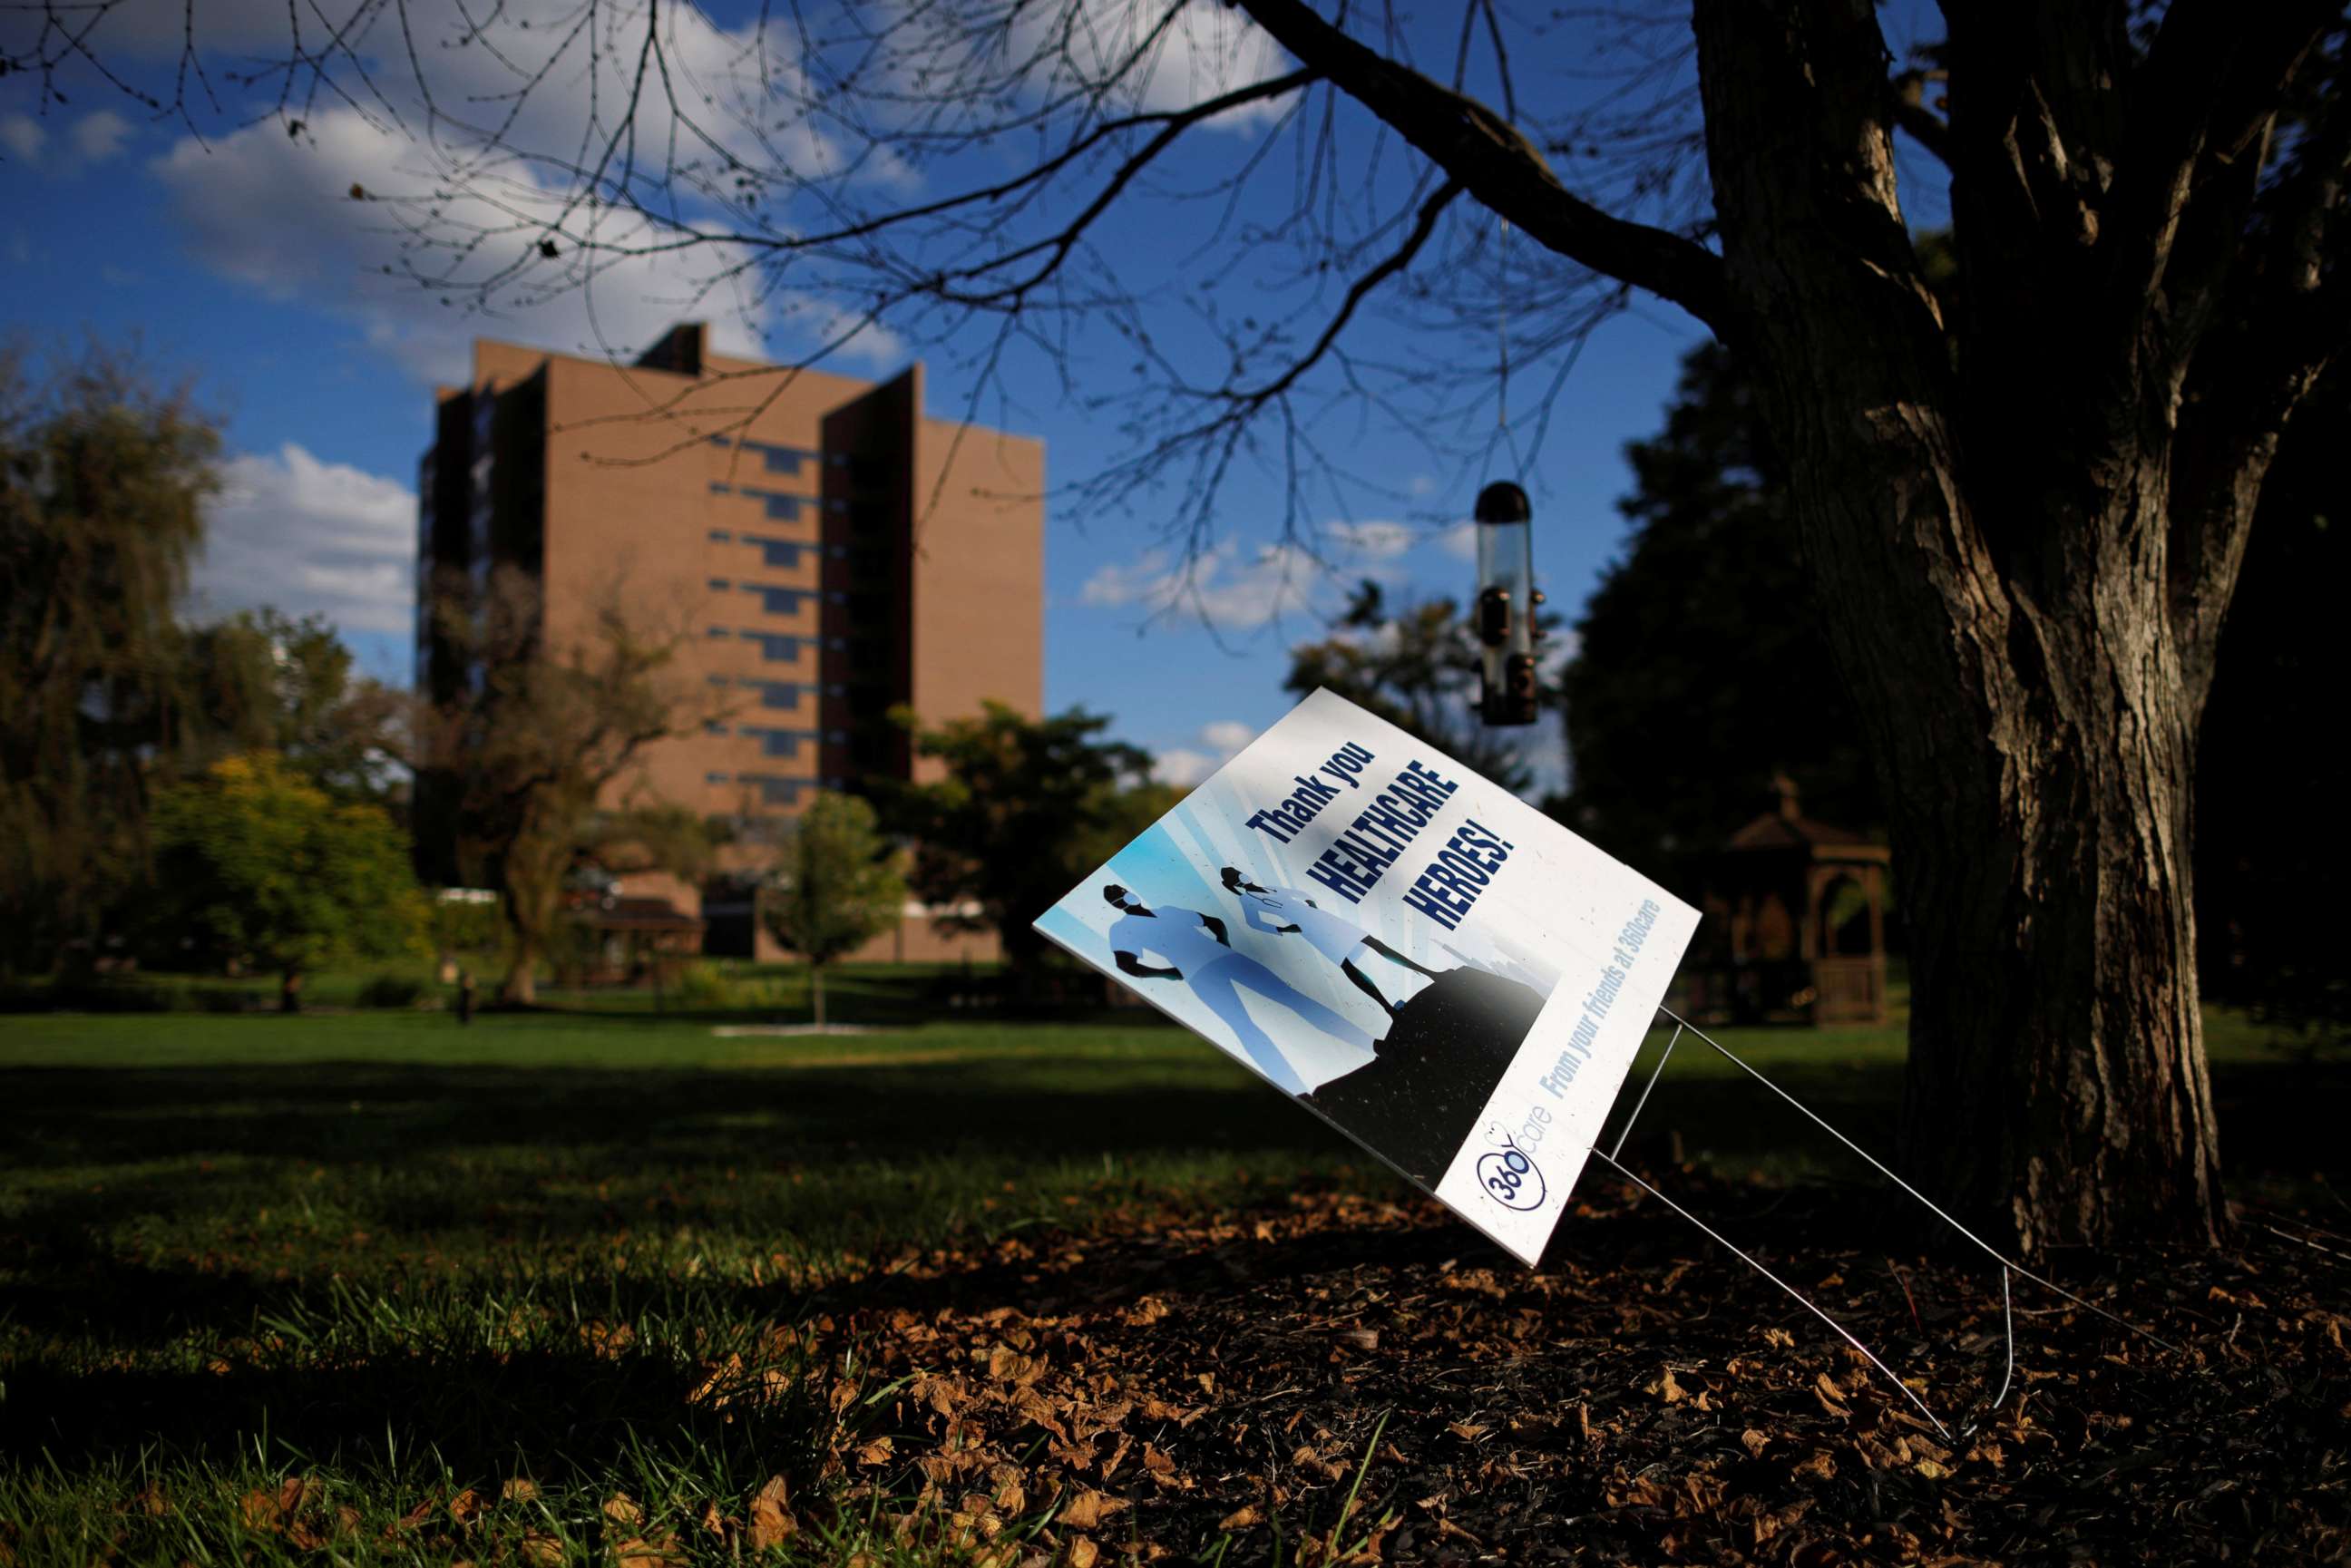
{"points": [[836, 886]]}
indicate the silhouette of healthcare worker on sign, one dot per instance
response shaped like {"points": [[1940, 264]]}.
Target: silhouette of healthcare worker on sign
{"points": [[1199, 952], [1285, 911]]}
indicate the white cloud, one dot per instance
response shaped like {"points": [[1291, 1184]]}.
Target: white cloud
{"points": [[1228, 734], [311, 537], [1182, 766], [1373, 541], [94, 138], [1460, 541], [275, 213], [1185, 766], [1208, 49], [99, 136], [274, 210], [1236, 589], [22, 135], [1221, 585]]}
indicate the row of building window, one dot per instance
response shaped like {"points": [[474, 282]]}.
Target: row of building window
{"points": [[781, 508], [785, 553], [776, 600], [780, 694], [775, 459], [781, 647]]}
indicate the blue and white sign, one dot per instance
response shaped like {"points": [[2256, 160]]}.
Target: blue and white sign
{"points": [[1439, 970]]}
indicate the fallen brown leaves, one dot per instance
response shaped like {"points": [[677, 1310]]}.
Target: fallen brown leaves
{"points": [[1150, 1390]]}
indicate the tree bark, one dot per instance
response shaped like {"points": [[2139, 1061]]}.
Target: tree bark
{"points": [[521, 987], [1990, 568], [816, 993], [2057, 1083]]}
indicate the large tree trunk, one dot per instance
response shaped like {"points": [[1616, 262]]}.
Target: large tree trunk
{"points": [[1988, 544], [2057, 1089], [521, 987]]}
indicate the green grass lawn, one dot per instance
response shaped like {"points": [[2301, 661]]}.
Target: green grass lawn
{"points": [[397, 1259]]}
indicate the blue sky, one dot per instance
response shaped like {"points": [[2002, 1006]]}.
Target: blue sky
{"points": [[233, 258]]}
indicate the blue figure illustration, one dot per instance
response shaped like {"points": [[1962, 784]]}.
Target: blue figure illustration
{"points": [[1286, 911], [1199, 952]]}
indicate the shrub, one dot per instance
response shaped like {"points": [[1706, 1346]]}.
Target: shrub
{"points": [[703, 985], [392, 991]]}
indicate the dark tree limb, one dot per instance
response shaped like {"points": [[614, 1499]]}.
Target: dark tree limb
{"points": [[2279, 307], [1912, 116], [1497, 164]]}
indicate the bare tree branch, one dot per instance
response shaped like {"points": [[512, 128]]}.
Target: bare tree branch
{"points": [[1497, 164]]}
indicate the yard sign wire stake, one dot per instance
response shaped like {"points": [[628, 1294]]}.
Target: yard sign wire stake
{"points": [[2008, 1320], [1997, 1256], [1655, 1073], [1842, 1332]]}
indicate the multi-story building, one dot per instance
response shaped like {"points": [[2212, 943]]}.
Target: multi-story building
{"points": [[830, 551]]}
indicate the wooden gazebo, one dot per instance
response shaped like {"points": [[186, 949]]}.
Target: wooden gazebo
{"points": [[623, 940], [1800, 909]]}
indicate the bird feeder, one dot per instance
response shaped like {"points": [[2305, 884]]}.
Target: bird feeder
{"points": [[1507, 603]]}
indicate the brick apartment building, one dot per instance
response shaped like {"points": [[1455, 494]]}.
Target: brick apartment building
{"points": [[834, 552]]}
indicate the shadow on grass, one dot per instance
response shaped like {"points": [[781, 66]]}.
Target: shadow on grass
{"points": [[485, 1416], [566, 1157], [509, 1126]]}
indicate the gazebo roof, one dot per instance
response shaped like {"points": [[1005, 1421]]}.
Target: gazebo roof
{"points": [[637, 914], [1789, 830]]}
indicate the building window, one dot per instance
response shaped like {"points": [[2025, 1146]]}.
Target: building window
{"points": [[777, 601], [781, 552], [719, 488], [718, 630], [714, 727], [779, 649], [781, 508], [720, 584], [775, 791], [721, 537], [774, 694], [713, 778]]}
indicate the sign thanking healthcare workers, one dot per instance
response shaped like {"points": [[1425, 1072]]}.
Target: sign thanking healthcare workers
{"points": [[1436, 968]]}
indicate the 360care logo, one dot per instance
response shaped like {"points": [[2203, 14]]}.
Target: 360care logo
{"points": [[1507, 1172]]}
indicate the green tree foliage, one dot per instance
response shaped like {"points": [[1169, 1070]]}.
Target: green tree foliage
{"points": [[1001, 834], [836, 885], [258, 866], [261, 680], [1416, 665], [103, 476], [1699, 670]]}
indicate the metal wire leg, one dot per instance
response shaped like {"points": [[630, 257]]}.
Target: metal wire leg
{"points": [[1655, 1073], [1995, 1253], [1842, 1332]]}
